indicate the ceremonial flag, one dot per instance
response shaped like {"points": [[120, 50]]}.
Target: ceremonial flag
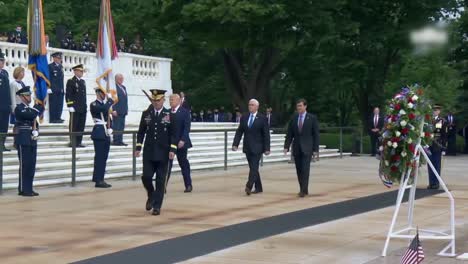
{"points": [[37, 62], [106, 51], [414, 254]]}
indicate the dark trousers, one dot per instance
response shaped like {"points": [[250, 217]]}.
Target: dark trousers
{"points": [[27, 168], [452, 144], [151, 167], [466, 145], [302, 161], [77, 124], [374, 139], [436, 159], [254, 175], [4, 121], [118, 124], [184, 166], [55, 106], [101, 153]]}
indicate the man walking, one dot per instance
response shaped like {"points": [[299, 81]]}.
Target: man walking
{"points": [[376, 123], [303, 133], [120, 110], [254, 127], [182, 123], [158, 132]]}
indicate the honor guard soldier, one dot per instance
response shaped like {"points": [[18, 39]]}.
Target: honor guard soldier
{"points": [[57, 87], [158, 131], [26, 140], [101, 136], [438, 147], [76, 101]]}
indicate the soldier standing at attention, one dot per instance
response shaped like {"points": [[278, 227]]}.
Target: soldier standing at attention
{"points": [[76, 101], [101, 136], [26, 140], [158, 131], [56, 85], [438, 146]]}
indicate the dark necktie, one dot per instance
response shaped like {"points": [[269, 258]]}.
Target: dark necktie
{"points": [[301, 122]]}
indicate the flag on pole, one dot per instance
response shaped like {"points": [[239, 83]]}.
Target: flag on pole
{"points": [[414, 254], [37, 62], [106, 51]]}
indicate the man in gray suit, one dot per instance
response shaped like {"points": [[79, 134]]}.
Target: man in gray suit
{"points": [[303, 133], [120, 110]]}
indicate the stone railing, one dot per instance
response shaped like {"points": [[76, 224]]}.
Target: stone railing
{"points": [[140, 72]]}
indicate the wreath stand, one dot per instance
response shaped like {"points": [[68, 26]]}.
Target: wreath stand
{"points": [[405, 233]]}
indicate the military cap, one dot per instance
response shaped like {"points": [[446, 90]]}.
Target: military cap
{"points": [[78, 67], [57, 54], [157, 94], [97, 89], [24, 91], [437, 107]]}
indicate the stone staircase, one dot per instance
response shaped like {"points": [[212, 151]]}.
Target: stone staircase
{"points": [[54, 156]]}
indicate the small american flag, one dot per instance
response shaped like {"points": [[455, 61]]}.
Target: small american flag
{"points": [[414, 254]]}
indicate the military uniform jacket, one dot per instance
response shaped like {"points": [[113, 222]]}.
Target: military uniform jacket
{"points": [[159, 134], [100, 110], [75, 95], [25, 118], [5, 97], [440, 134], [56, 78]]}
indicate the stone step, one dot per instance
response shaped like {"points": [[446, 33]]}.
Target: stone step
{"points": [[40, 181]]}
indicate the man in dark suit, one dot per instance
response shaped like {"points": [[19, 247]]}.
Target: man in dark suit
{"points": [[253, 126], [184, 102], [303, 133], [452, 134], [5, 103], [376, 123], [182, 125], [76, 101], [272, 120], [120, 110], [158, 132], [56, 85]]}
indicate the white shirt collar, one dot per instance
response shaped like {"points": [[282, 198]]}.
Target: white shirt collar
{"points": [[254, 114], [156, 111]]}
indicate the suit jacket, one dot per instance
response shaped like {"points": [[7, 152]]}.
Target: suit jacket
{"points": [[183, 122], [122, 105], [256, 137], [371, 125], [75, 95], [185, 104], [440, 131], [159, 133], [273, 122], [307, 140], [452, 127], [56, 78]]}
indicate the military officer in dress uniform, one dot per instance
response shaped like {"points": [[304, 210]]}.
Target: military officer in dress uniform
{"points": [[56, 85], [101, 136], [26, 140], [438, 147], [5, 103], [158, 128], [75, 96]]}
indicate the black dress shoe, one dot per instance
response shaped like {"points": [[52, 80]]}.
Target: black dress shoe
{"points": [[156, 211], [148, 204], [35, 193], [433, 187], [20, 193], [257, 191], [28, 194], [248, 191], [188, 189], [80, 146], [301, 194], [102, 184]]}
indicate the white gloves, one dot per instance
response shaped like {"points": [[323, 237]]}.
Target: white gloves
{"points": [[109, 96], [443, 153], [71, 109], [49, 91], [35, 134], [109, 132]]}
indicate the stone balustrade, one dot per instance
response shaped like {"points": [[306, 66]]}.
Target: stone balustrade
{"points": [[140, 72]]}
